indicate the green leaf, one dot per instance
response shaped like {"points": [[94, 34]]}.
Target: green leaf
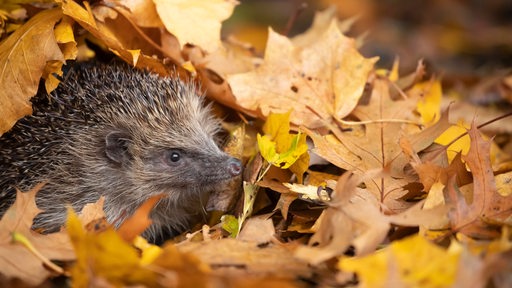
{"points": [[230, 224]]}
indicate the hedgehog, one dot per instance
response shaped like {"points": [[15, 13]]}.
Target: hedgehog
{"points": [[126, 134]]}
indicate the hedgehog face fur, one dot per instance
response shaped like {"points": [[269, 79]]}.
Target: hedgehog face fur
{"points": [[125, 134]]}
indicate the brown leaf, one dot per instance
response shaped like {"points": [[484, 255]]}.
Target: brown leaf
{"points": [[327, 76], [377, 148], [483, 215], [232, 257], [23, 58], [16, 260], [259, 229], [113, 39]]}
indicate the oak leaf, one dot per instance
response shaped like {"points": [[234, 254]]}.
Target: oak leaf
{"points": [[486, 210]]}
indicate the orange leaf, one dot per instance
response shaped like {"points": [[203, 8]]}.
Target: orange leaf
{"points": [[23, 58], [139, 221]]}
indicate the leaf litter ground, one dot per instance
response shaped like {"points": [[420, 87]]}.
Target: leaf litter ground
{"points": [[389, 207]]}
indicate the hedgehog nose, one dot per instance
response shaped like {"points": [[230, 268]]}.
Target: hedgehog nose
{"points": [[234, 167]]}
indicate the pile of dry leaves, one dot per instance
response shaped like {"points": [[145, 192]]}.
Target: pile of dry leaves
{"points": [[354, 176]]}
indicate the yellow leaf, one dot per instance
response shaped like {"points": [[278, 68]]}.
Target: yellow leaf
{"points": [[277, 127], [65, 37], [301, 165], [462, 145], [393, 74], [150, 252], [196, 22], [280, 148], [429, 105], [267, 148], [286, 159], [23, 57], [415, 261], [230, 224], [104, 255]]}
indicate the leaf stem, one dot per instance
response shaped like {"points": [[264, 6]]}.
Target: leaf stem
{"points": [[480, 126], [19, 238], [353, 123]]}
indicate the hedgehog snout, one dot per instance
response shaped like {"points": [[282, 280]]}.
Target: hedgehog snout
{"points": [[234, 167]]}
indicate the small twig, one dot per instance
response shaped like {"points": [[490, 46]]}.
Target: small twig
{"points": [[293, 18]]}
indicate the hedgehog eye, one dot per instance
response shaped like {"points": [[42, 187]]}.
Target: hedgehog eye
{"points": [[174, 156]]}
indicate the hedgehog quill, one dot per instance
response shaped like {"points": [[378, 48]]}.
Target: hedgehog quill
{"points": [[122, 133]]}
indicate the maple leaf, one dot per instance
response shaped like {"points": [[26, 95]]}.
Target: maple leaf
{"points": [[488, 209], [327, 76], [321, 22], [379, 147], [16, 260], [23, 58]]}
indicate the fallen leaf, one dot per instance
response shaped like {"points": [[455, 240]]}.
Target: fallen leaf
{"points": [[104, 255], [327, 77], [143, 11], [111, 38], [259, 229], [321, 22], [195, 22], [413, 260], [282, 149], [231, 257], [460, 146], [429, 105], [378, 148], [23, 58], [139, 220], [487, 209], [15, 259]]}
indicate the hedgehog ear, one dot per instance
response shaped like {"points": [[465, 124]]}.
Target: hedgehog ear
{"points": [[117, 147]]}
